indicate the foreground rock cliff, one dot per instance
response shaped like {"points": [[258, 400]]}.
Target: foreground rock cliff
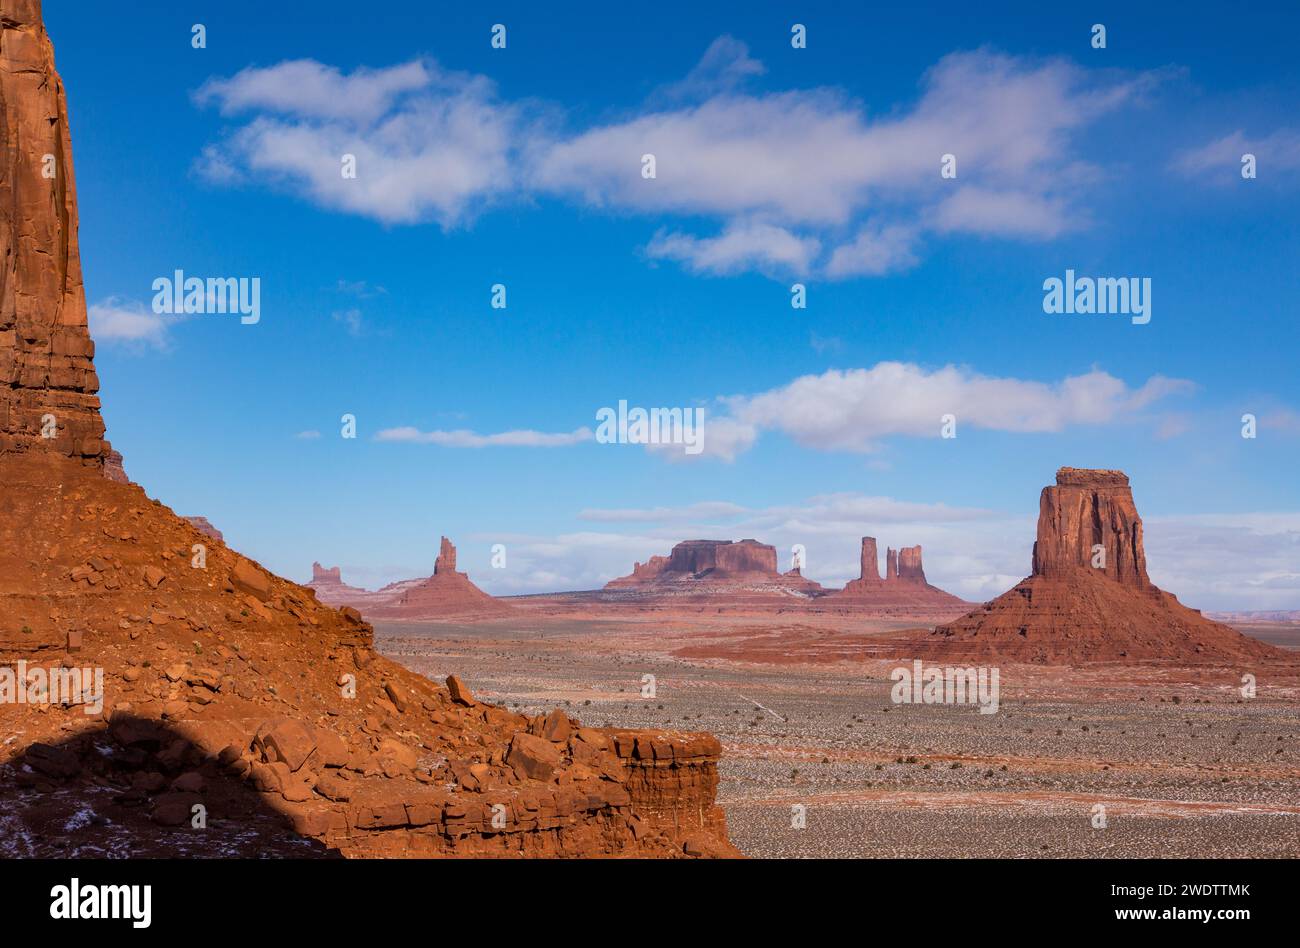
{"points": [[1089, 597], [238, 715]]}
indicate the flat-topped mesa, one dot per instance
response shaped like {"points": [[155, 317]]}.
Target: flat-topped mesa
{"points": [[1088, 521], [48, 384], [706, 566], [331, 575], [446, 561], [722, 557]]}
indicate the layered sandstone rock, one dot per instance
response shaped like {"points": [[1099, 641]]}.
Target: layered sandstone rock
{"points": [[205, 527], [909, 565], [712, 568], [48, 383], [903, 589], [447, 593], [1090, 516], [446, 561], [870, 562], [1089, 597], [226, 689]]}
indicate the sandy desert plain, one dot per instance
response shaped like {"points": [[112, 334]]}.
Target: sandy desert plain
{"points": [[1183, 765]]}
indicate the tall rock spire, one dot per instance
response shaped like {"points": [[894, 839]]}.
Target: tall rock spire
{"points": [[48, 383], [446, 561], [870, 562]]}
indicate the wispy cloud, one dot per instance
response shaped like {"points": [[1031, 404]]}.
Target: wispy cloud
{"points": [[117, 320], [427, 143], [521, 438], [853, 409], [797, 182], [1220, 159]]}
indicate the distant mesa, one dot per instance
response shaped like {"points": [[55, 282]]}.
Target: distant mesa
{"points": [[706, 566], [1089, 598], [445, 594], [204, 526]]}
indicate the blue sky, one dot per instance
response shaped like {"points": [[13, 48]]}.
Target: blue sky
{"points": [[774, 165]]}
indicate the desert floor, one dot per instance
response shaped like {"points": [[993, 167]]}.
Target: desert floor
{"points": [[1182, 763]]}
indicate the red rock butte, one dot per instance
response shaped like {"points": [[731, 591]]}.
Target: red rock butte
{"points": [[1089, 598], [903, 586], [707, 567], [225, 685], [447, 594]]}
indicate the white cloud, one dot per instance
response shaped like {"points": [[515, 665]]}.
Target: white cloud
{"points": [[850, 410], [115, 320], [816, 159], [351, 320], [875, 251], [306, 88], [743, 245], [784, 175], [1006, 214], [428, 144], [1240, 561], [522, 438], [310, 435], [725, 65], [1277, 151]]}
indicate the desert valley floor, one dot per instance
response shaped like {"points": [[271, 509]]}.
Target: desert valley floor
{"points": [[1182, 763]]}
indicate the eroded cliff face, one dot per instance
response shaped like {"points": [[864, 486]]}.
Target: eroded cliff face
{"points": [[224, 686], [1089, 598], [722, 558], [869, 560], [718, 568], [903, 587], [48, 384], [1089, 518]]}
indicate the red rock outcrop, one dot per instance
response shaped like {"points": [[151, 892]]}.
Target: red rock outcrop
{"points": [[446, 594], [48, 384], [205, 527], [902, 590], [446, 561], [227, 693], [1089, 598], [870, 562], [713, 568], [909, 565]]}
